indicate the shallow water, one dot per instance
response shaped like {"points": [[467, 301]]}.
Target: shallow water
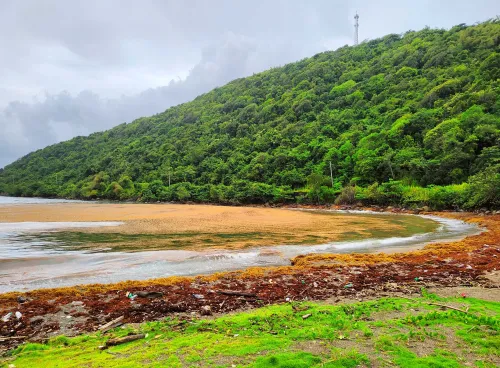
{"points": [[4, 200], [30, 261]]}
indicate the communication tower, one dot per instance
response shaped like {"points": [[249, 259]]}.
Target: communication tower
{"points": [[356, 27]]}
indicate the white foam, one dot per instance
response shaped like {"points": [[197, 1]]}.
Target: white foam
{"points": [[22, 227]]}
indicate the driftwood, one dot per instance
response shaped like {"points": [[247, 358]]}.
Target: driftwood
{"points": [[237, 293], [300, 308], [122, 340], [437, 304], [306, 316], [449, 307], [110, 325], [2, 338]]}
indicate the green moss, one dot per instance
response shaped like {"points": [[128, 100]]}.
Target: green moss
{"points": [[387, 330], [287, 360]]}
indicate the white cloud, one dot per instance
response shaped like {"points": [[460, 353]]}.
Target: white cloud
{"points": [[133, 58]]}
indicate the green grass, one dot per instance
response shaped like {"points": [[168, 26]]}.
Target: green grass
{"points": [[385, 332]]}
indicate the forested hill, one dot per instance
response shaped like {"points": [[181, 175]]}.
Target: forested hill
{"points": [[410, 119]]}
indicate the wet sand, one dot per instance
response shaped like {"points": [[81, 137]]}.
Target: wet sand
{"points": [[195, 225]]}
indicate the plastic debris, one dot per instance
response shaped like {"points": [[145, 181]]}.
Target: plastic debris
{"points": [[418, 279], [7, 317], [287, 299], [18, 315], [315, 284], [130, 295], [306, 316], [198, 296], [348, 286], [463, 295], [21, 299]]}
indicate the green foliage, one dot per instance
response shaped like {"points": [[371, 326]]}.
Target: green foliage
{"points": [[346, 196], [484, 189], [417, 113], [288, 360]]}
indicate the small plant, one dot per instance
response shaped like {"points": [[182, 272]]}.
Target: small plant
{"points": [[347, 196]]}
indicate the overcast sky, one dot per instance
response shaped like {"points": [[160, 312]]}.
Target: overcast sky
{"points": [[72, 67]]}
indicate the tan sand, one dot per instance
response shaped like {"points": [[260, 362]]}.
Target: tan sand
{"points": [[195, 225]]}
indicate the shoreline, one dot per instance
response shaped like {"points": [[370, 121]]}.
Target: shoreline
{"points": [[473, 261], [101, 255]]}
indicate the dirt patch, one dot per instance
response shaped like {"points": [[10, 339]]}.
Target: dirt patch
{"points": [[490, 294], [316, 347]]}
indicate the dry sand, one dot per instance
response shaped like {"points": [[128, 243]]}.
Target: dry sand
{"points": [[194, 225]]}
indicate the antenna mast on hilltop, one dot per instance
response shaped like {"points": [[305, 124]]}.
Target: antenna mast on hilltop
{"points": [[356, 27]]}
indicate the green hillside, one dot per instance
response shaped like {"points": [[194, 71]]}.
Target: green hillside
{"points": [[407, 119]]}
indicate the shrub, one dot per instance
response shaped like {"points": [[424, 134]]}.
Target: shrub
{"points": [[347, 196], [484, 189]]}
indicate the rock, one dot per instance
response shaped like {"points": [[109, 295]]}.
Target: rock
{"points": [[426, 208], [206, 310], [149, 294], [77, 303], [21, 299]]}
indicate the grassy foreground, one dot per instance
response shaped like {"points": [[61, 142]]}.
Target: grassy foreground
{"points": [[384, 332]]}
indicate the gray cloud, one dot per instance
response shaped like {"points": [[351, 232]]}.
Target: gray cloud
{"points": [[117, 60]]}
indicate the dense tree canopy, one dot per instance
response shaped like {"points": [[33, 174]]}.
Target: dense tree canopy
{"points": [[391, 115]]}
